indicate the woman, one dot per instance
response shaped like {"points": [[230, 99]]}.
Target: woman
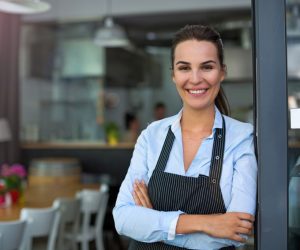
{"points": [[191, 183]]}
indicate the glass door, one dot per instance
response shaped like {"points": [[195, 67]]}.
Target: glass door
{"points": [[293, 70]]}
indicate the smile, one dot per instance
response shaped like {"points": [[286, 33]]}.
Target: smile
{"points": [[197, 91]]}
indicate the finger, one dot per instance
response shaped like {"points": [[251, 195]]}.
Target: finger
{"points": [[142, 187], [243, 230], [144, 191], [140, 196], [144, 199], [141, 199], [246, 216], [136, 199], [238, 238], [246, 224]]}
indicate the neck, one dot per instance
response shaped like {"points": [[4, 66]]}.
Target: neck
{"points": [[198, 120]]}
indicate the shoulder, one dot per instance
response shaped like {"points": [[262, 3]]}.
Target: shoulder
{"points": [[237, 131], [157, 130]]}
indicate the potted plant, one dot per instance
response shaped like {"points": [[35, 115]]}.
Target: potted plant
{"points": [[11, 184]]}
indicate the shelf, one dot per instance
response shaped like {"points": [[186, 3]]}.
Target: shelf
{"points": [[75, 145]]}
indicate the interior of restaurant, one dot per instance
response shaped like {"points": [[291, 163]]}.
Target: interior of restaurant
{"points": [[77, 94], [76, 98]]}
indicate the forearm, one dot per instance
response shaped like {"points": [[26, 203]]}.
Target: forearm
{"points": [[190, 223], [208, 231], [143, 224], [229, 225], [201, 241]]}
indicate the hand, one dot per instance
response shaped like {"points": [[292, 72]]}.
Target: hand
{"points": [[140, 194], [229, 225]]}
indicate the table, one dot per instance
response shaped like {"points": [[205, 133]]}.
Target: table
{"points": [[41, 197]]}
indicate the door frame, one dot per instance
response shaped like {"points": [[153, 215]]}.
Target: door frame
{"points": [[271, 118]]}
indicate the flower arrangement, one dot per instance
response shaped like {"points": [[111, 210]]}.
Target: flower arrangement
{"points": [[11, 183]]}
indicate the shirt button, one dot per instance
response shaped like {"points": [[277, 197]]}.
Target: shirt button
{"points": [[219, 136], [217, 157], [214, 181]]}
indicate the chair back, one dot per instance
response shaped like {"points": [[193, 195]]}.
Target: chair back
{"points": [[102, 208], [69, 209], [90, 200], [40, 222], [93, 202], [11, 234]]}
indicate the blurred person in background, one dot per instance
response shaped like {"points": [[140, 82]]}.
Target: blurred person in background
{"points": [[159, 111], [132, 126]]}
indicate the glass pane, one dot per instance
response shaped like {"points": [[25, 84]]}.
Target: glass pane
{"points": [[61, 84], [293, 59]]}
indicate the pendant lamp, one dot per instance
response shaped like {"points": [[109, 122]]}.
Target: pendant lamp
{"points": [[23, 6], [111, 34]]}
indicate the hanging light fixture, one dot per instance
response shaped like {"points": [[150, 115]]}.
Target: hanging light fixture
{"points": [[111, 34], [23, 6]]}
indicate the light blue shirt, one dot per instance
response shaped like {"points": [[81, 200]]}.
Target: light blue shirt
{"points": [[238, 181]]}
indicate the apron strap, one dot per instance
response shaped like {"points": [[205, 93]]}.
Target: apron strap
{"points": [[165, 152], [217, 154]]}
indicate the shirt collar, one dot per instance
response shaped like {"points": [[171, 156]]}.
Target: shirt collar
{"points": [[175, 123]]}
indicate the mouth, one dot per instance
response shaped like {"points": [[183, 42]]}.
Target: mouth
{"points": [[197, 91]]}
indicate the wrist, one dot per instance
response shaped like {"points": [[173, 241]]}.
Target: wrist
{"points": [[188, 223]]}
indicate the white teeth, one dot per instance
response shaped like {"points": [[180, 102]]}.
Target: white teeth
{"points": [[198, 91]]}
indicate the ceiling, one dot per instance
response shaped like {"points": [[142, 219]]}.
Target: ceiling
{"points": [[157, 29]]}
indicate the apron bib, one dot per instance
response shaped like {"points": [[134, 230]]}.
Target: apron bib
{"points": [[172, 192]]}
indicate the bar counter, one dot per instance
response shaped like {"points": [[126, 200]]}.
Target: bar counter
{"points": [[94, 158], [76, 145]]}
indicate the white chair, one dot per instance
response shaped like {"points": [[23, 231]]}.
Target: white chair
{"points": [[11, 234], [69, 209], [40, 223], [92, 203]]}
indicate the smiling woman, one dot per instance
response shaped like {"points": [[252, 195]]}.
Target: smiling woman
{"points": [[197, 74], [196, 189]]}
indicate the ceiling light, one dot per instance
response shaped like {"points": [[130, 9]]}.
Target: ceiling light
{"points": [[23, 6], [111, 35]]}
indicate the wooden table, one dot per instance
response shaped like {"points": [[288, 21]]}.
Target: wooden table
{"points": [[42, 196]]}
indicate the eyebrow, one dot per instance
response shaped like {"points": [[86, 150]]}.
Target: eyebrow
{"points": [[206, 62]]}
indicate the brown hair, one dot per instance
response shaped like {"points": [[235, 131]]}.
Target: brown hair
{"points": [[204, 33]]}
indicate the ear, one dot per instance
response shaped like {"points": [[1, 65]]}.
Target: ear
{"points": [[222, 76], [173, 77], [224, 73]]}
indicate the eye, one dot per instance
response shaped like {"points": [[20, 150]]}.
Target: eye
{"points": [[207, 67], [184, 68]]}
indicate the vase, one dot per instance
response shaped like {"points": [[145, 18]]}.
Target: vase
{"points": [[5, 200]]}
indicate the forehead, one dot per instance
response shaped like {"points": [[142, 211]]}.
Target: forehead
{"points": [[193, 49]]}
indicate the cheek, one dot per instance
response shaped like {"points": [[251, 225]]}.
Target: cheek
{"points": [[216, 80], [179, 80]]}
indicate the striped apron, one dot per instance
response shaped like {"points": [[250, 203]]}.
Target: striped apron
{"points": [[172, 192]]}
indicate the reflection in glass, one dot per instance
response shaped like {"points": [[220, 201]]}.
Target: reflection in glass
{"points": [[293, 56]]}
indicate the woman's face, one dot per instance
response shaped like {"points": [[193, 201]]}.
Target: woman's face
{"points": [[197, 73]]}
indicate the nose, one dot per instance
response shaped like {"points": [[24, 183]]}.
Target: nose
{"points": [[196, 77]]}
